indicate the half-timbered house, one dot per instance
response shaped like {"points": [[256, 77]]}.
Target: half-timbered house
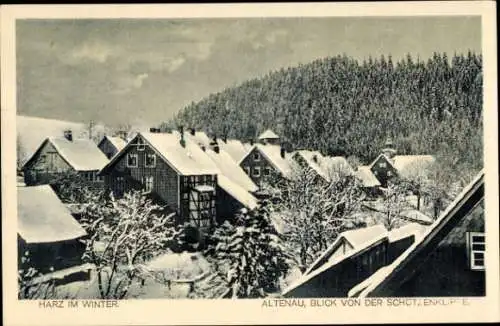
{"points": [[448, 260], [56, 156], [180, 173], [111, 145]]}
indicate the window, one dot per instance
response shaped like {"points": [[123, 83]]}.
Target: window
{"points": [[256, 171], [150, 160], [140, 144], [382, 165], [389, 173], [132, 160], [267, 171], [247, 170], [476, 246], [256, 156], [148, 183]]}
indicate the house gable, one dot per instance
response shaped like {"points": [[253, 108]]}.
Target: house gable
{"points": [[383, 169], [161, 177], [258, 166], [47, 158]]}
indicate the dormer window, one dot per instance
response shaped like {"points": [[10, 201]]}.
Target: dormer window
{"points": [[132, 160], [382, 165], [150, 160], [476, 247], [256, 156], [140, 144], [256, 171]]}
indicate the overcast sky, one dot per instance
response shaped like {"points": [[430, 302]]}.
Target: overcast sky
{"points": [[143, 71]]}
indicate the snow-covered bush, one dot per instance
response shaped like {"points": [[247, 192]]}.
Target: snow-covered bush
{"points": [[250, 255]]}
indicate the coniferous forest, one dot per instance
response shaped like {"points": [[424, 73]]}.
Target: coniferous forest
{"points": [[341, 106]]}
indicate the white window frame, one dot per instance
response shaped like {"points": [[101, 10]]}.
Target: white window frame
{"points": [[382, 165], [148, 182], [473, 252], [146, 160], [256, 157], [136, 160], [389, 173], [140, 144], [256, 171], [267, 171]]}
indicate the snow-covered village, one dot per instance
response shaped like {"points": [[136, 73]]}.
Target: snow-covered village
{"points": [[288, 173]]}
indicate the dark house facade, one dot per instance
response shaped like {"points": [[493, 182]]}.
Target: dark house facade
{"points": [[388, 165], [165, 166], [264, 162], [448, 261], [57, 156], [49, 236], [353, 257]]}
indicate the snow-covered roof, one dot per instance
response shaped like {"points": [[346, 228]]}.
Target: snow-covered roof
{"points": [[80, 154], [237, 192], [329, 263], [235, 149], [407, 230], [368, 179], [314, 160], [334, 165], [273, 154], [356, 238], [415, 215], [378, 282], [199, 137], [187, 160], [42, 217], [62, 273], [408, 164], [231, 169], [117, 142], [268, 134]]}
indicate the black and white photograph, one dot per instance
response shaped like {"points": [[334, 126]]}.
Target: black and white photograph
{"points": [[271, 158]]}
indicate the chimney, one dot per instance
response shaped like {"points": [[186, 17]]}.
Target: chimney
{"points": [[203, 148], [315, 158], [182, 141], [68, 134], [193, 131], [214, 145], [251, 141], [282, 151], [224, 139]]}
